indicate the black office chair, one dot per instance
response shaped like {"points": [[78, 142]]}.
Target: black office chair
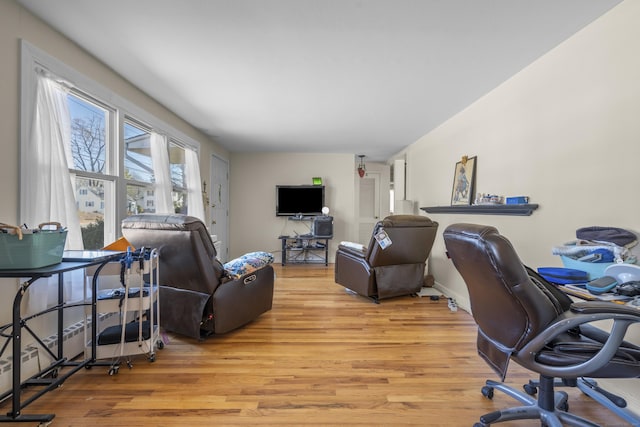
{"points": [[522, 320]]}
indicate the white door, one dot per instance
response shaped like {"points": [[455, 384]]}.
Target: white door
{"points": [[219, 204], [369, 205]]}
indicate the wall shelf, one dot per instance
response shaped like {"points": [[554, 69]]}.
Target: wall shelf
{"points": [[518, 210]]}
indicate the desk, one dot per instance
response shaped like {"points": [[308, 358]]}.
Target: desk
{"points": [[47, 377]]}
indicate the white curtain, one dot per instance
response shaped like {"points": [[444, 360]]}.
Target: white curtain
{"points": [[162, 176], [48, 190], [195, 207]]}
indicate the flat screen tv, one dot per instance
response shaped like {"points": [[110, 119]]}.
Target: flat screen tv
{"points": [[292, 200]]}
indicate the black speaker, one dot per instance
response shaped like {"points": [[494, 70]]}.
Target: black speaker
{"points": [[322, 226]]}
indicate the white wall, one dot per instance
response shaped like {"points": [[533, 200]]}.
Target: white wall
{"points": [[564, 131], [254, 176]]}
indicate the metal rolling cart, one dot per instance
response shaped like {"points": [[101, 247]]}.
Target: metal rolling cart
{"points": [[135, 303]]}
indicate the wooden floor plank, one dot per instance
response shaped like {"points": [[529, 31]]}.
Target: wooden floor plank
{"points": [[320, 357]]}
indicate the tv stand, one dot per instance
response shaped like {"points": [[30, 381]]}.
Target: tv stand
{"points": [[308, 248], [305, 249]]}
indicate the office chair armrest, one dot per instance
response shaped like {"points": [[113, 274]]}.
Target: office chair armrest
{"points": [[584, 313], [589, 307]]}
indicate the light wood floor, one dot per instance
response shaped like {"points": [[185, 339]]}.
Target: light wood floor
{"points": [[320, 357]]}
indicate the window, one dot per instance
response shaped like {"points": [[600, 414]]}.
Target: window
{"points": [[121, 160], [138, 166], [89, 141], [137, 158], [177, 165], [88, 133]]}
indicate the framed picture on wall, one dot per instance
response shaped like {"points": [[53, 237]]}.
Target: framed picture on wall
{"points": [[464, 181]]}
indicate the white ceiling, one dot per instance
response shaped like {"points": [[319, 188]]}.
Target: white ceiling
{"points": [[339, 76]]}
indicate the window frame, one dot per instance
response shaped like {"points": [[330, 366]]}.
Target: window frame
{"points": [[124, 111], [110, 174]]}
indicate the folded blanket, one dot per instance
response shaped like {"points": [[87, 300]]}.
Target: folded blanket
{"points": [[618, 236], [247, 263]]}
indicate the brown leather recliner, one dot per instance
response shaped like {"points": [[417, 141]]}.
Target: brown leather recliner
{"points": [[398, 269], [196, 297], [522, 319]]}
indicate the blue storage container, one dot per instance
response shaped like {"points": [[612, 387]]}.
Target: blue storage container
{"points": [[595, 269]]}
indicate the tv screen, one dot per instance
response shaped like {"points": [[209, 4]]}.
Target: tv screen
{"points": [[292, 200]]}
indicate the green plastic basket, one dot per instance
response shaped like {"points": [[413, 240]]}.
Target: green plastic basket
{"points": [[26, 249]]}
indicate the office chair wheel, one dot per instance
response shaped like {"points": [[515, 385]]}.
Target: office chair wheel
{"points": [[487, 392], [530, 389]]}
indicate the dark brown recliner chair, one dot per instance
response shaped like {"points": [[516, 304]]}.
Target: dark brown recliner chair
{"points": [[522, 320], [196, 297], [394, 271]]}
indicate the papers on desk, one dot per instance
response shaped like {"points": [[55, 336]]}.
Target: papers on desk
{"points": [[93, 255], [581, 291]]}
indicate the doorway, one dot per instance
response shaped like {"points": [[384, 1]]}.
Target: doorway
{"points": [[372, 199], [368, 205], [219, 205]]}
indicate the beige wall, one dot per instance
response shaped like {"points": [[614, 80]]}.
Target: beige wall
{"points": [[9, 109], [253, 177], [564, 131]]}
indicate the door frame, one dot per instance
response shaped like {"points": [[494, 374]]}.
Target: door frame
{"points": [[224, 189]]}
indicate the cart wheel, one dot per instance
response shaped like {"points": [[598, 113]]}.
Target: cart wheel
{"points": [[487, 392], [129, 364], [152, 357], [113, 370], [160, 344]]}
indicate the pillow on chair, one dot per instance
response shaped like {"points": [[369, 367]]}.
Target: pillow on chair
{"points": [[247, 263]]}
